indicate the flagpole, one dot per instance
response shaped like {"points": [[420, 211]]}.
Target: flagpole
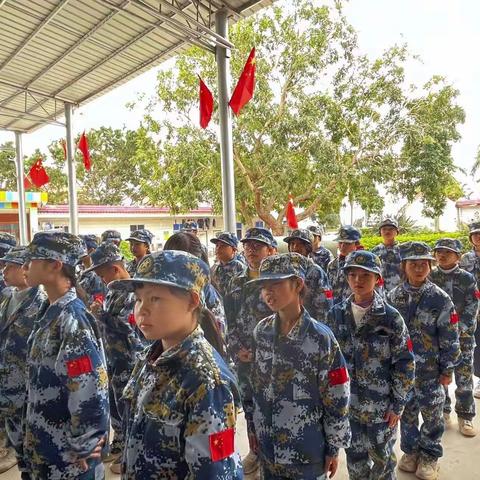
{"points": [[22, 209], [225, 119], [72, 174]]}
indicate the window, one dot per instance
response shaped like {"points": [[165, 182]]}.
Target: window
{"points": [[136, 227]]}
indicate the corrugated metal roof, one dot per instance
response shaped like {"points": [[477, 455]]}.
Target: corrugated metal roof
{"points": [[52, 51]]}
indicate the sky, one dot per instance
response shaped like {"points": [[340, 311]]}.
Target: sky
{"points": [[444, 33]]}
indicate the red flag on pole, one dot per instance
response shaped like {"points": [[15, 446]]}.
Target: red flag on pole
{"points": [[64, 146], [26, 182], [206, 104], [290, 215], [246, 85], [83, 147], [38, 174]]}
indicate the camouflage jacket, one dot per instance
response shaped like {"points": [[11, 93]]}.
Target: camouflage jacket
{"points": [[300, 393], [319, 296], [433, 327], [222, 274], [182, 409], [67, 408], [338, 280], [93, 286], [391, 261], [213, 302], [462, 290], [470, 262], [322, 257], [379, 358]]}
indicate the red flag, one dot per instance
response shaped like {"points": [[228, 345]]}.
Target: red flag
{"points": [[291, 217], [26, 182], [246, 85], [38, 174], [64, 146], [83, 147], [206, 104]]}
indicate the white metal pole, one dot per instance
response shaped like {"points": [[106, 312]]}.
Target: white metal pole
{"points": [[226, 142], [72, 174], [22, 209]]}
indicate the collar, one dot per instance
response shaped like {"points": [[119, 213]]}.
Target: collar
{"points": [[299, 330]]}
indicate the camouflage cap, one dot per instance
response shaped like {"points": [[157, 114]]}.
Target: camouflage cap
{"points": [[226, 237], [316, 230], [388, 222], [260, 235], [364, 260], [54, 245], [348, 234], [111, 236], [282, 266], [189, 227], [474, 227], [170, 268], [143, 235], [449, 244], [300, 234], [415, 251], [107, 252], [91, 241], [7, 241], [18, 255]]}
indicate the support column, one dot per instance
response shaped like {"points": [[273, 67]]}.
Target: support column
{"points": [[225, 119], [22, 209], [72, 174]]}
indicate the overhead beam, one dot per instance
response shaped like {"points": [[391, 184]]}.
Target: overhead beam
{"points": [[18, 113]]}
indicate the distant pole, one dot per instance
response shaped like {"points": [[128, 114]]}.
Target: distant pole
{"points": [[72, 174], [22, 209]]}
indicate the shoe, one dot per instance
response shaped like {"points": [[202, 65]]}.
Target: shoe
{"points": [[427, 468], [7, 459], [447, 419], [408, 462], [466, 427], [476, 392], [116, 466], [250, 463]]}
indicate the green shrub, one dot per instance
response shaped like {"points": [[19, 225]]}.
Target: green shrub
{"points": [[125, 249]]}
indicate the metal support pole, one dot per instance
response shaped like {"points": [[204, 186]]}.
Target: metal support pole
{"points": [[226, 142], [22, 210], [72, 174]]}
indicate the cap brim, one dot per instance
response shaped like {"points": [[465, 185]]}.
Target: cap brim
{"points": [[289, 239], [130, 284], [217, 240], [446, 248], [474, 231], [11, 260], [346, 241], [261, 240], [132, 239], [363, 268], [419, 257], [94, 267], [272, 277]]}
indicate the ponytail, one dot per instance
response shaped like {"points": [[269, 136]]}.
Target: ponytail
{"points": [[69, 272], [212, 331]]}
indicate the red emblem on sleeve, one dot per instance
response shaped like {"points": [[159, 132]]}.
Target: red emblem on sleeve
{"points": [[410, 344], [98, 298], [381, 282], [477, 293], [454, 318], [338, 376], [131, 320], [328, 294], [79, 366], [221, 444]]}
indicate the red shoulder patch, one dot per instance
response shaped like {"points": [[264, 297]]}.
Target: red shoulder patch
{"points": [[454, 318], [222, 444], [131, 320], [328, 294], [338, 376], [381, 282], [79, 366], [98, 298], [477, 293], [410, 344]]}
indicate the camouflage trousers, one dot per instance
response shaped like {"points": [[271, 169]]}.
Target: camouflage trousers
{"points": [[14, 435], [464, 401], [307, 471], [118, 381], [371, 455], [427, 398], [243, 370]]}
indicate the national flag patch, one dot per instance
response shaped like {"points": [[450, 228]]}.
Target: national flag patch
{"points": [[79, 366], [131, 320], [222, 444], [338, 376], [329, 294], [454, 318], [410, 344], [477, 293]]}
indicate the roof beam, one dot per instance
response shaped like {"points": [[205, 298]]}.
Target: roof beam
{"points": [[34, 33], [26, 89], [10, 112]]}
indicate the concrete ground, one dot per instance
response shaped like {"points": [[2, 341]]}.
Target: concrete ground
{"points": [[461, 460]]}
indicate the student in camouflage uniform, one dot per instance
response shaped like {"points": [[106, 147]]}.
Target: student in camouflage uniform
{"points": [[181, 399], [67, 418], [192, 227], [244, 308], [318, 296], [321, 256], [374, 340], [88, 279], [123, 340], [389, 253], [18, 313], [140, 244], [348, 240], [462, 290], [227, 264], [7, 241], [470, 262], [111, 236], [299, 381], [433, 326]]}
